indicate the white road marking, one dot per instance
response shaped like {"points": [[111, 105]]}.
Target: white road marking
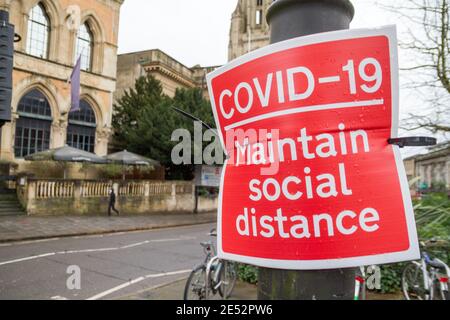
{"points": [[28, 258], [58, 298], [94, 250], [10, 244], [134, 281]]}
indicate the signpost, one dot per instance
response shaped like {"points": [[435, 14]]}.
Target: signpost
{"points": [[312, 182], [208, 176]]}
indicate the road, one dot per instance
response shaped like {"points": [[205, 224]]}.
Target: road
{"points": [[111, 266]]}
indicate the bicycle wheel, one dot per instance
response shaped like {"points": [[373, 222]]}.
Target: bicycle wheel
{"points": [[413, 283], [195, 286], [228, 277], [440, 293]]}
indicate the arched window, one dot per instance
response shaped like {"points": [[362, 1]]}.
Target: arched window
{"points": [[259, 17], [38, 32], [84, 47], [82, 127], [34, 124]]}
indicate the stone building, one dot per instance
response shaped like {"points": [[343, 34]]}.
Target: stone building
{"points": [[171, 73], [54, 34], [432, 169], [249, 28]]}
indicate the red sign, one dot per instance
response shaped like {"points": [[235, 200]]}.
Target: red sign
{"points": [[311, 181]]}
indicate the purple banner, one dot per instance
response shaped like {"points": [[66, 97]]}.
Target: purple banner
{"points": [[75, 87]]}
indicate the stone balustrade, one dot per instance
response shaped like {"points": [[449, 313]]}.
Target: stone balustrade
{"points": [[95, 189], [54, 189], [85, 197]]}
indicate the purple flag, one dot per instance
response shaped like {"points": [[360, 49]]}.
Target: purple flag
{"points": [[75, 87]]}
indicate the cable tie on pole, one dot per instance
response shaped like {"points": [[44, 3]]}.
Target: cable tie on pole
{"points": [[413, 142]]}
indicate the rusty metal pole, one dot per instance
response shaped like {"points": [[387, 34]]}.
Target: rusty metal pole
{"points": [[289, 19]]}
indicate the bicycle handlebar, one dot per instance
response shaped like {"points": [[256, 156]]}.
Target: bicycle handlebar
{"points": [[213, 233]]}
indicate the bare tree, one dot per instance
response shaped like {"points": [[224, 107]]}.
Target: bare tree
{"points": [[428, 70]]}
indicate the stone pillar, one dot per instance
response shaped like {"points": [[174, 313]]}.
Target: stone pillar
{"points": [[30, 195], [429, 178], [147, 189], [174, 190], [102, 139], [58, 134], [77, 191], [6, 141]]}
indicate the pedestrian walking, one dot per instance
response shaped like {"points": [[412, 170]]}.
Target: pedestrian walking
{"points": [[112, 202]]}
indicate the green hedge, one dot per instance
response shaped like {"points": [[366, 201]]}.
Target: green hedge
{"points": [[248, 273]]}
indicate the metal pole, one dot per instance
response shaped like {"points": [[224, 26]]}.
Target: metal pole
{"points": [[289, 19], [196, 199]]}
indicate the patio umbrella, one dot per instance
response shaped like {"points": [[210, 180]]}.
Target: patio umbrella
{"points": [[131, 159], [66, 154]]}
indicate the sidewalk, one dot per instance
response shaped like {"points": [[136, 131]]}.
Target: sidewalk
{"points": [[20, 228], [175, 291], [242, 291]]}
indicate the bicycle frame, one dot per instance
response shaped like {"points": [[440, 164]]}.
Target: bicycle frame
{"points": [[426, 276], [360, 282], [213, 269], [207, 275], [443, 281]]}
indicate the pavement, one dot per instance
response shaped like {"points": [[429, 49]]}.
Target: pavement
{"points": [[174, 291], [243, 291], [22, 228]]}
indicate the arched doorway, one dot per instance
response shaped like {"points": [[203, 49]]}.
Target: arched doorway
{"points": [[82, 128]]}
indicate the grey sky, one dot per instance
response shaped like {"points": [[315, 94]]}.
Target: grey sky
{"points": [[193, 32], [196, 31]]}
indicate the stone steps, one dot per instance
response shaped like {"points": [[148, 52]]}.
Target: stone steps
{"points": [[10, 206]]}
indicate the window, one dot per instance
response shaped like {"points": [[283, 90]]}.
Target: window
{"points": [[84, 47], [34, 124], [259, 2], [258, 17], [38, 32], [82, 127]]}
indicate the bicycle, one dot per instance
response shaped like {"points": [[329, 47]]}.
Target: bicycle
{"points": [[422, 279], [360, 284], [212, 276]]}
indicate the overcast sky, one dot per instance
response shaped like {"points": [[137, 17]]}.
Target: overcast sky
{"points": [[197, 31]]}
